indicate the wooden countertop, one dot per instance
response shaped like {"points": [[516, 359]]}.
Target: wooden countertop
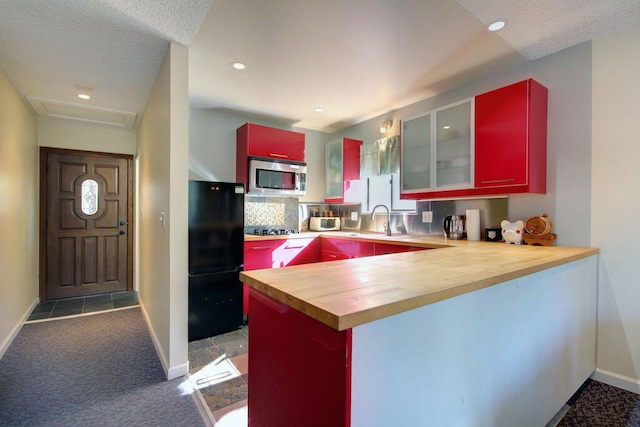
{"points": [[344, 294]]}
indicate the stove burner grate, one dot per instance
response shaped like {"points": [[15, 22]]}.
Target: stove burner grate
{"points": [[273, 231]]}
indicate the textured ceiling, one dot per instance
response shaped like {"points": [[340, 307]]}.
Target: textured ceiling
{"points": [[117, 47], [355, 58], [542, 27]]}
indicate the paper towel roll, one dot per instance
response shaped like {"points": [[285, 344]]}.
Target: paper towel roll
{"points": [[473, 224]]}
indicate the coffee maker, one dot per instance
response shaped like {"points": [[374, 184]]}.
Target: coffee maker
{"points": [[454, 227]]}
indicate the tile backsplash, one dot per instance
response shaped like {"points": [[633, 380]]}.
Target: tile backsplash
{"points": [[264, 213], [283, 212], [270, 212]]}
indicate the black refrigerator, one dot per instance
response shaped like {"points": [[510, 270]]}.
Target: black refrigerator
{"points": [[216, 241]]}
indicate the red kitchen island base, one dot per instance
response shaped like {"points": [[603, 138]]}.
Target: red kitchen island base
{"points": [[299, 368]]}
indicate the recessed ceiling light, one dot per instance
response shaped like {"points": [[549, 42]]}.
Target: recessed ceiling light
{"points": [[238, 65], [83, 96], [497, 25], [446, 127], [318, 109]]}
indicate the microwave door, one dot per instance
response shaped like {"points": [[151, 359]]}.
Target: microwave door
{"points": [[265, 179], [275, 180]]}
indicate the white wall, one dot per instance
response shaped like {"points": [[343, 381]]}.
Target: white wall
{"points": [[615, 206], [212, 149], [70, 134], [508, 355], [18, 211], [163, 145], [567, 75]]}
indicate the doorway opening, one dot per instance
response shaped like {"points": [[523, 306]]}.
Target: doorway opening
{"points": [[86, 223]]}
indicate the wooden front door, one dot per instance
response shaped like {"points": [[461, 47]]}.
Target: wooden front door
{"points": [[86, 212]]}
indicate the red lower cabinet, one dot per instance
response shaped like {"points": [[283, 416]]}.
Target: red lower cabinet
{"points": [[296, 251], [257, 255], [332, 249], [277, 253], [385, 248], [300, 369]]}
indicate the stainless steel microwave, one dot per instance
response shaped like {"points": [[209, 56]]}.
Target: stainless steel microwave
{"points": [[277, 177]]}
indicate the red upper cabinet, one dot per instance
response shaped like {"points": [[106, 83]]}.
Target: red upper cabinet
{"points": [[342, 165], [264, 141], [511, 139]]}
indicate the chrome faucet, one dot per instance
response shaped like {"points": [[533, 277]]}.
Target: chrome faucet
{"points": [[388, 217]]}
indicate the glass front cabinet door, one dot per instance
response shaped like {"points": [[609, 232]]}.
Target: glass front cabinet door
{"points": [[437, 150], [333, 170]]}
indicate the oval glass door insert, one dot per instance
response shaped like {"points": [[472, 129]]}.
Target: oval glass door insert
{"points": [[89, 197]]}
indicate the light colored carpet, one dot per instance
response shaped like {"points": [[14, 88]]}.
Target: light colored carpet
{"points": [[99, 370]]}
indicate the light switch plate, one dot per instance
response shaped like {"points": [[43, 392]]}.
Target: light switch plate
{"points": [[354, 216], [427, 216]]}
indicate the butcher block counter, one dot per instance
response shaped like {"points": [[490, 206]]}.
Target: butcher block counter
{"points": [[348, 293], [458, 334]]}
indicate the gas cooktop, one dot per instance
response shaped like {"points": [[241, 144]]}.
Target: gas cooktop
{"points": [[272, 232]]}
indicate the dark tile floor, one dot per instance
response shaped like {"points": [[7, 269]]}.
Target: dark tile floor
{"points": [[219, 369], [88, 304]]}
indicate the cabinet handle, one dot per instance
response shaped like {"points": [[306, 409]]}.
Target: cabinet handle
{"points": [[496, 181], [294, 247], [256, 248], [284, 156]]}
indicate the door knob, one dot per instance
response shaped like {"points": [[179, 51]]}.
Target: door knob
{"points": [[122, 232], [123, 222]]}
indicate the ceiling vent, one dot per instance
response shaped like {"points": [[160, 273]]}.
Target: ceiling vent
{"points": [[46, 108]]}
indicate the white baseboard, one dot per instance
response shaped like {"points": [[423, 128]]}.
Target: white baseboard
{"points": [[203, 408], [178, 371], [171, 372], [16, 329], [616, 380]]}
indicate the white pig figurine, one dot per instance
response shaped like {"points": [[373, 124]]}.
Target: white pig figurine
{"points": [[512, 231]]}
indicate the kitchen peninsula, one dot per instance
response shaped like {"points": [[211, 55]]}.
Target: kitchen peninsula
{"points": [[471, 333]]}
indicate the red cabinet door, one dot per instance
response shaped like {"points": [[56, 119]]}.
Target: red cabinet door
{"points": [[332, 249], [361, 249], [510, 138], [257, 254], [501, 129], [295, 252], [385, 248], [351, 156], [265, 141], [300, 368]]}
